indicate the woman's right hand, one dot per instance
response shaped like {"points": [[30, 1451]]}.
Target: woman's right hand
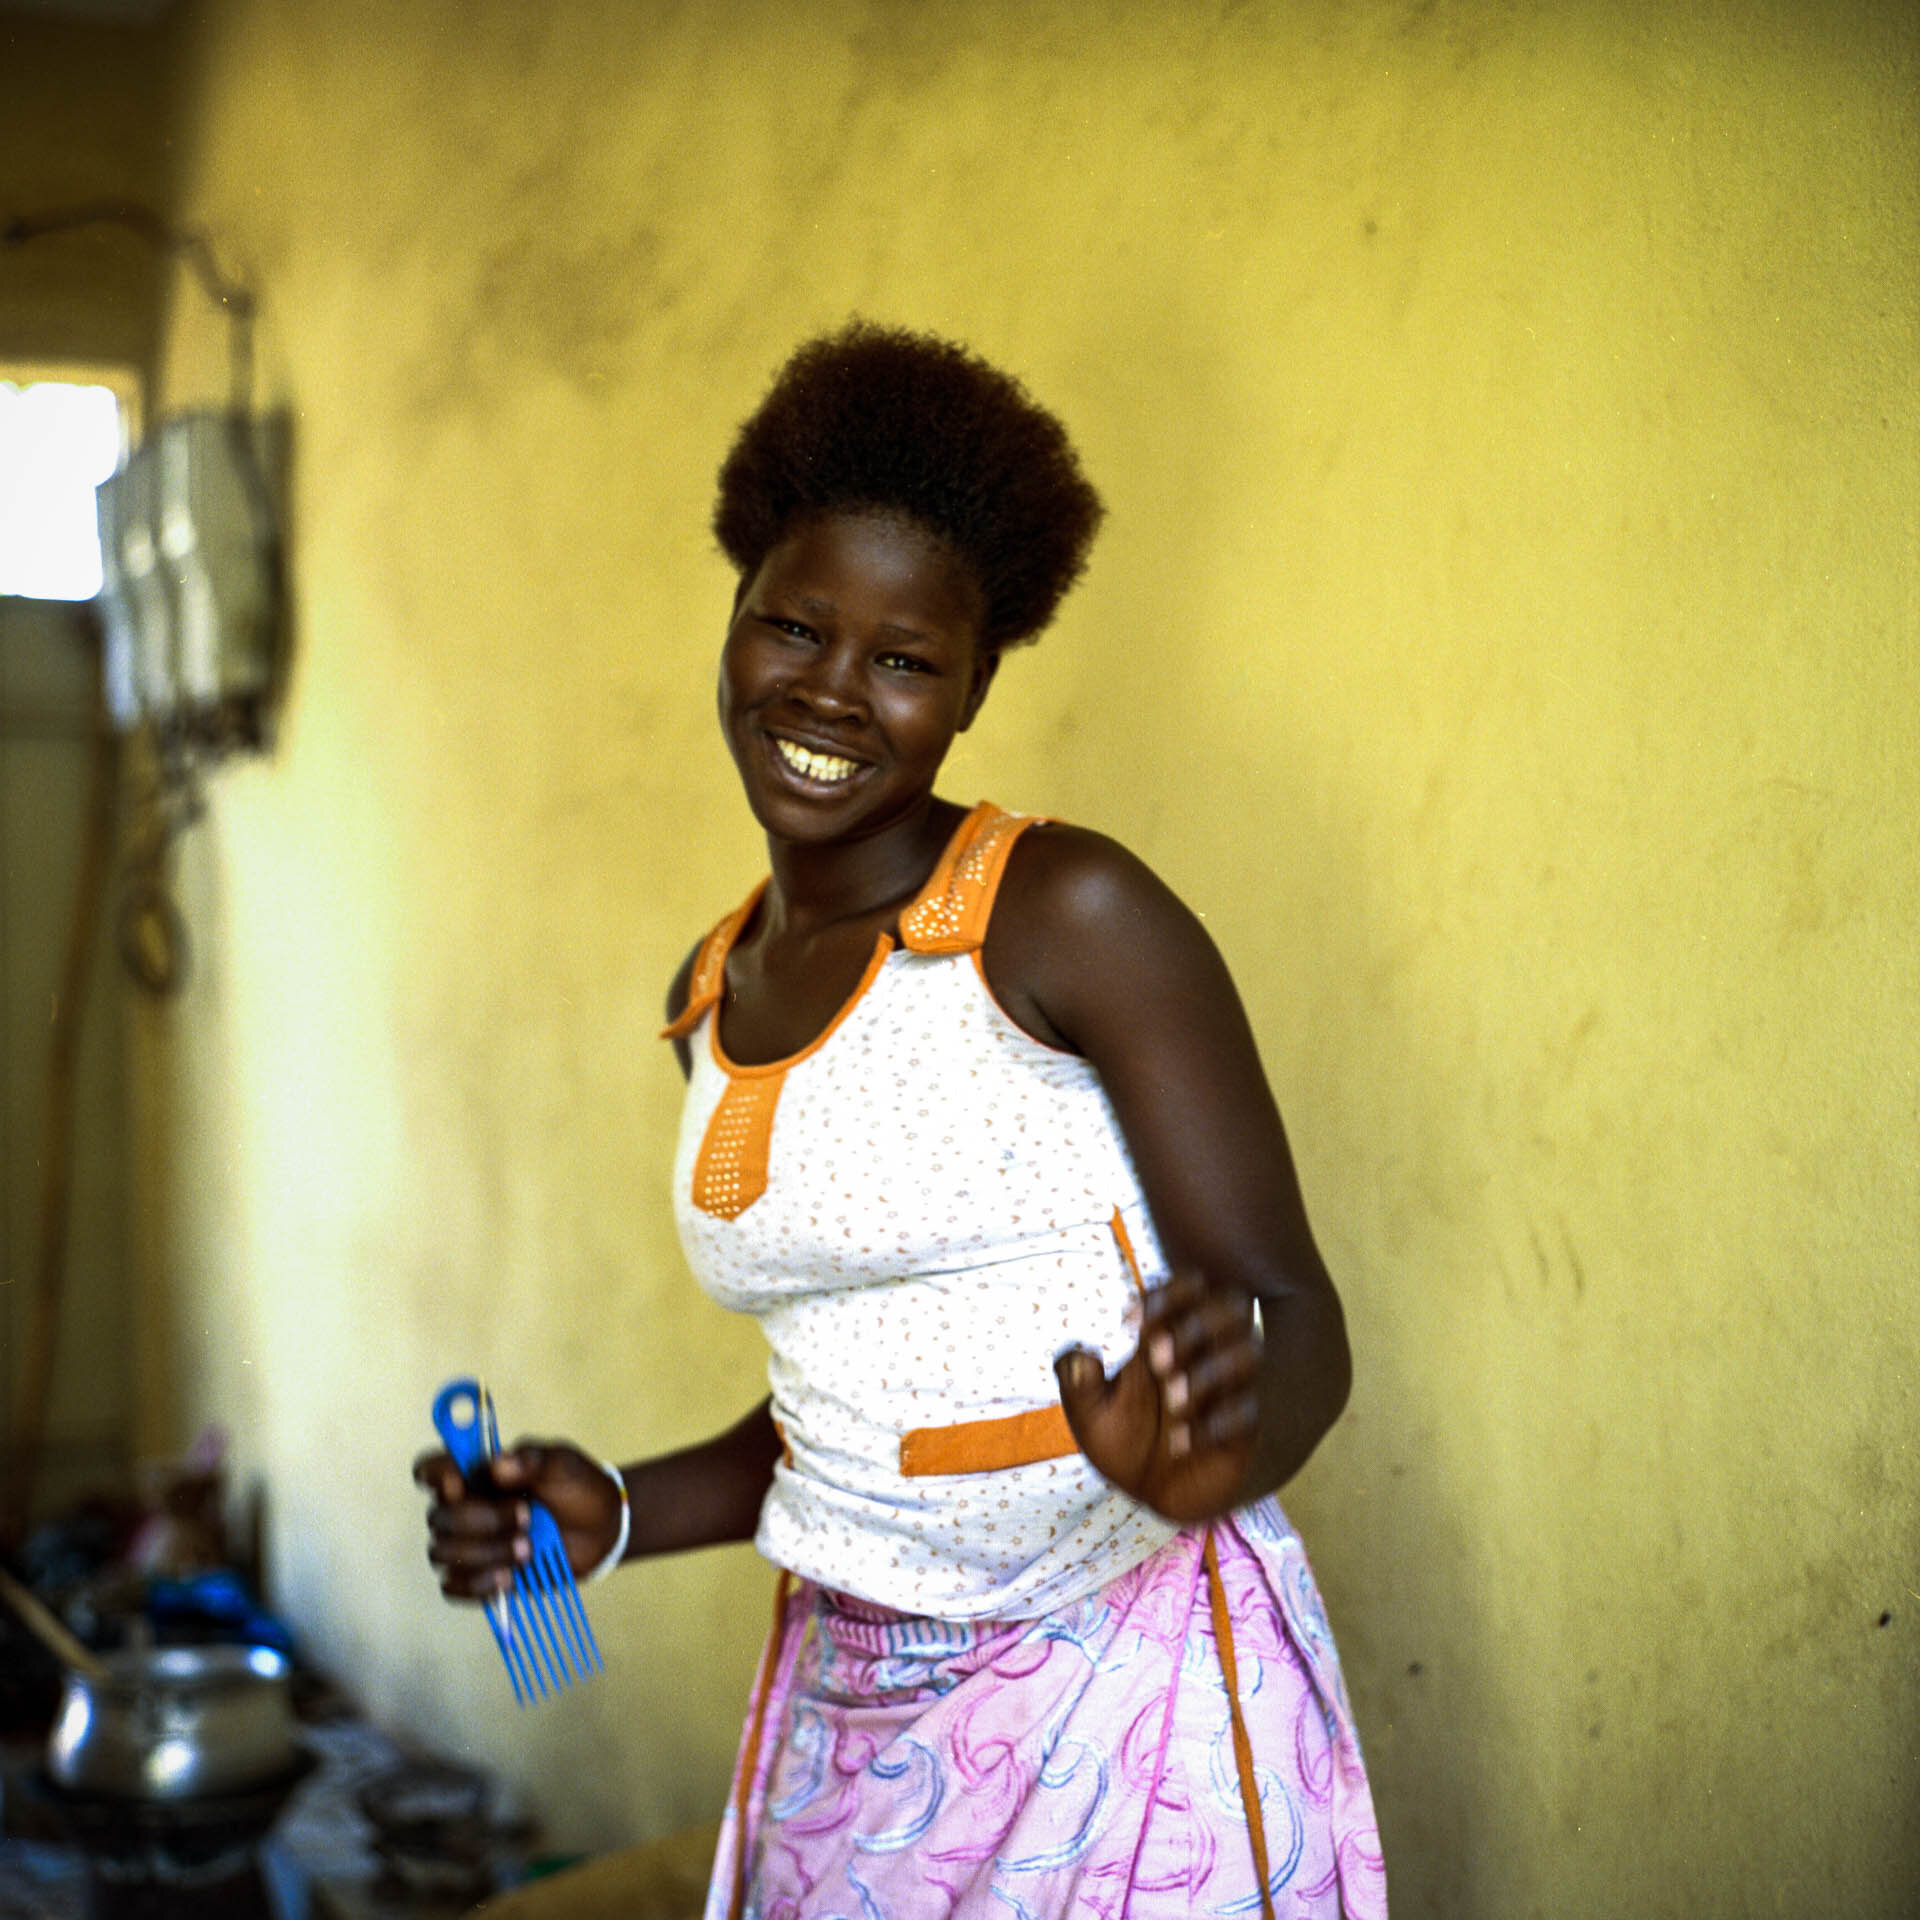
{"points": [[478, 1535]]}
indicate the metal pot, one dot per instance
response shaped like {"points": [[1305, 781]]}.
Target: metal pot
{"points": [[176, 1723]]}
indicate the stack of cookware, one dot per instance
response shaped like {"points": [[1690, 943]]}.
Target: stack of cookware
{"points": [[166, 1768]]}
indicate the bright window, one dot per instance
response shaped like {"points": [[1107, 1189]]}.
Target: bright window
{"points": [[59, 438]]}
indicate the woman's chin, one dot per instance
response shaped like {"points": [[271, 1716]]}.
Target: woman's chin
{"points": [[800, 809]]}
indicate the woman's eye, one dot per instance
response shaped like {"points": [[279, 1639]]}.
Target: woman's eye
{"points": [[904, 663], [791, 627]]}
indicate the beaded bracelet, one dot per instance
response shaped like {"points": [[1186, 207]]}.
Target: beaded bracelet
{"points": [[618, 1551]]}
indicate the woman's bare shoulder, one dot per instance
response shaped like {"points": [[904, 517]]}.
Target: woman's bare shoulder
{"points": [[1079, 914], [1065, 882]]}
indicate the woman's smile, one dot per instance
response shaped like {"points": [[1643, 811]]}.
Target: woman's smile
{"points": [[818, 769]]}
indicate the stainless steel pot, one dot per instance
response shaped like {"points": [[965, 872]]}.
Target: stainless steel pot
{"points": [[176, 1723]]}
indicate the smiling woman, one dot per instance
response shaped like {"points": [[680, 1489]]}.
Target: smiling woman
{"points": [[975, 1127]]}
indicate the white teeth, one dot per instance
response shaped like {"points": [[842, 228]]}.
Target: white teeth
{"points": [[827, 767]]}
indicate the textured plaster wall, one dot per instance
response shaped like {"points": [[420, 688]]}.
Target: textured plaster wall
{"points": [[1505, 634]]}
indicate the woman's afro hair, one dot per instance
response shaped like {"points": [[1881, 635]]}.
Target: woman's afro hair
{"points": [[879, 420]]}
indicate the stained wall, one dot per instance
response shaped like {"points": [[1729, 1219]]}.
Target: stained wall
{"points": [[1505, 634]]}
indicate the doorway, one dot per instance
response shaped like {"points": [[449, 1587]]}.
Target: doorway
{"points": [[49, 719]]}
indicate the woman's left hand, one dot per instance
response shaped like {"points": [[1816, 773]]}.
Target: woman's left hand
{"points": [[1175, 1427]]}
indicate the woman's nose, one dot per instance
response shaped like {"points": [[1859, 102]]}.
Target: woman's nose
{"points": [[830, 685]]}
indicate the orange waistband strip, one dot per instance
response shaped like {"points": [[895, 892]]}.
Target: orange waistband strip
{"points": [[987, 1446], [1019, 1440]]}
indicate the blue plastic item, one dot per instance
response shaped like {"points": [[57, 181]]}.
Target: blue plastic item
{"points": [[540, 1621], [216, 1600]]}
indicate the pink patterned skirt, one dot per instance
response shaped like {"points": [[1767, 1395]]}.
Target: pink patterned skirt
{"points": [[1163, 1747]]}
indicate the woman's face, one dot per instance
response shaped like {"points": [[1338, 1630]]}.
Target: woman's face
{"points": [[852, 660]]}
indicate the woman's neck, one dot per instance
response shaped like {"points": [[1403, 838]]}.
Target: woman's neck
{"points": [[814, 888]]}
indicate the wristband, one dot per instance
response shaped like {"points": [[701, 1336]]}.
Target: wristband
{"points": [[618, 1551]]}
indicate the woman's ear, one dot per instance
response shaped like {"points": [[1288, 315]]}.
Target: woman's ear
{"points": [[986, 663]]}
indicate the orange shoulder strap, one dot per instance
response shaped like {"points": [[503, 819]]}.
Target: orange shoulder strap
{"points": [[953, 908], [710, 968]]}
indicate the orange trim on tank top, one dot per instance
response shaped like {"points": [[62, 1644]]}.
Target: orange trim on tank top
{"points": [[988, 1446], [708, 979], [1013, 1439], [951, 912], [730, 1170], [968, 905], [734, 1070], [1120, 1233]]}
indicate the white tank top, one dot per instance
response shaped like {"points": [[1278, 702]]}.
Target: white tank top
{"points": [[922, 1208]]}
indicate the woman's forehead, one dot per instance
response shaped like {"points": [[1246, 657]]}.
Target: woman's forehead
{"points": [[889, 568]]}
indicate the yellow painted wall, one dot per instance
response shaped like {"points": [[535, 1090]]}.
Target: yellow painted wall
{"points": [[1505, 633]]}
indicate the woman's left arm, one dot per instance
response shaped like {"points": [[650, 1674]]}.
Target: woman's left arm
{"points": [[1089, 950]]}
